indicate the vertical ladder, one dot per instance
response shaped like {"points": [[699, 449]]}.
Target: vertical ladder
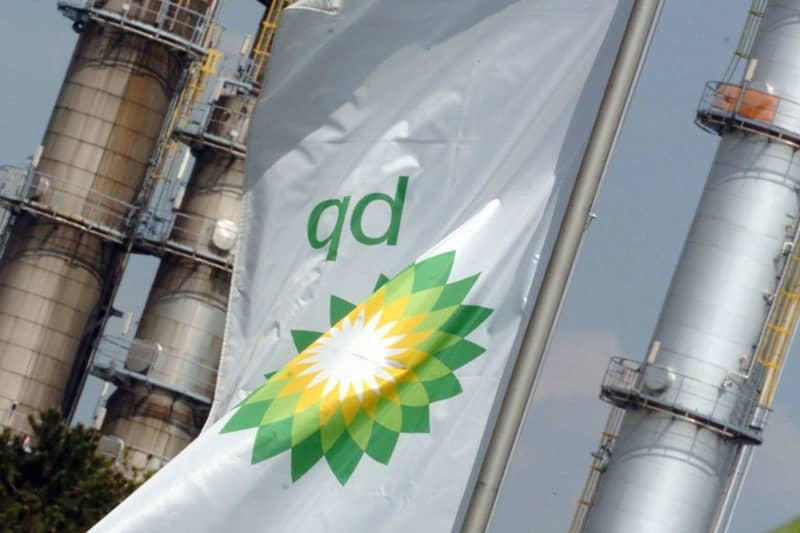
{"points": [[263, 44], [780, 329], [766, 367], [745, 44], [599, 464]]}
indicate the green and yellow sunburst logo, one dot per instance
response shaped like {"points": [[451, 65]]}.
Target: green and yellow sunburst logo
{"points": [[354, 388]]}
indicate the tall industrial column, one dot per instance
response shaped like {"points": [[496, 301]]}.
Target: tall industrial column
{"points": [[79, 197], [163, 398], [704, 391]]}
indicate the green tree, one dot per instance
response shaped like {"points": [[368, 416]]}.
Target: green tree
{"points": [[58, 483], [792, 527]]}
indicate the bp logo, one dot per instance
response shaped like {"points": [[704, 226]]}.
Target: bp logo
{"points": [[355, 388]]}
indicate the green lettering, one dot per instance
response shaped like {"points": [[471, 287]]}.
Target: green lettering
{"points": [[336, 233], [395, 204]]}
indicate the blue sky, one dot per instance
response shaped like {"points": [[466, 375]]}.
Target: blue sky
{"points": [[645, 208]]}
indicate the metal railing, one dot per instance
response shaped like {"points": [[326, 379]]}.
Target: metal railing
{"points": [[111, 447], [168, 21], [724, 407], [121, 360], [110, 218], [129, 458], [217, 126], [600, 460], [65, 201], [725, 105], [187, 235], [251, 69], [12, 179]]}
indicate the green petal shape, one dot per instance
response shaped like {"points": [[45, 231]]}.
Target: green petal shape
{"points": [[422, 301], [381, 443], [382, 280], [433, 272], [306, 454], [416, 419], [304, 339], [437, 342], [272, 439], [460, 354], [268, 390], [343, 457], [339, 309], [454, 293], [332, 430], [432, 369], [436, 319], [280, 409], [400, 286], [466, 319], [413, 393], [442, 388], [360, 429], [305, 424], [432, 308], [248, 416], [389, 415]]}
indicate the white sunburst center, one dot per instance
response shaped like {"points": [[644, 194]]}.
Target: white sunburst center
{"points": [[355, 353]]}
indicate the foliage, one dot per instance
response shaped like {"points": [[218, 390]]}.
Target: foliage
{"points": [[792, 527], [59, 482]]}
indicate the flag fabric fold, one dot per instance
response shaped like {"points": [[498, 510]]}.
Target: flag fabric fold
{"points": [[407, 166]]}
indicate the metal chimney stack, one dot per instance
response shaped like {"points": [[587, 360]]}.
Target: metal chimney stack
{"points": [[168, 382], [702, 396], [75, 206]]}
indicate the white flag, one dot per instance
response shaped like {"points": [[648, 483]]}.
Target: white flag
{"points": [[405, 166]]}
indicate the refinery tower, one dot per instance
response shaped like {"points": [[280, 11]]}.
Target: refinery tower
{"points": [[147, 92], [74, 209], [166, 384], [685, 421]]}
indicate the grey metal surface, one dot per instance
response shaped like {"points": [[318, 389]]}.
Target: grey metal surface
{"points": [[185, 312], [668, 474], [104, 126], [185, 316], [122, 360], [153, 423], [778, 70], [725, 408], [214, 191]]}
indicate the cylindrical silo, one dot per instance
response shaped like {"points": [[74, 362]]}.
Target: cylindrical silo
{"points": [[693, 404], [64, 248], [179, 339]]}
